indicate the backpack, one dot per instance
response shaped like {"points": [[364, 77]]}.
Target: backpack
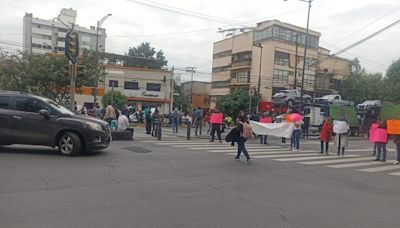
{"points": [[247, 131]]}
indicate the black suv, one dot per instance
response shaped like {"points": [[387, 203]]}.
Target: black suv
{"points": [[34, 120]]}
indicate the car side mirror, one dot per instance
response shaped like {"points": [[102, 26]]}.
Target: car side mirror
{"points": [[45, 113]]}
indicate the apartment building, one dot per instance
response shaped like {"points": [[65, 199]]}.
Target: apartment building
{"points": [[199, 91], [143, 87], [42, 36], [271, 55]]}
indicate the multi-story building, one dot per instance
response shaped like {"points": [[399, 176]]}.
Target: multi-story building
{"points": [[199, 91], [143, 87], [271, 55], [42, 36]]}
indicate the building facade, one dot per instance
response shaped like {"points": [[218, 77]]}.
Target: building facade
{"points": [[266, 57], [199, 91], [143, 87], [42, 36]]}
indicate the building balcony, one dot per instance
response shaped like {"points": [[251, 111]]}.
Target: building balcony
{"points": [[241, 65]]}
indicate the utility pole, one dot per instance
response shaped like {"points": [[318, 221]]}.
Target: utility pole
{"points": [[171, 92], [191, 70], [295, 64]]}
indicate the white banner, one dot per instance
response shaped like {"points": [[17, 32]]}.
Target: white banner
{"points": [[340, 127], [284, 130]]}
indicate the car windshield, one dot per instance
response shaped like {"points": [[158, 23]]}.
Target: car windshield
{"points": [[58, 107]]}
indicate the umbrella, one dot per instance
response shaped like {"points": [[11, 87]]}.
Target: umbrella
{"points": [[295, 117]]}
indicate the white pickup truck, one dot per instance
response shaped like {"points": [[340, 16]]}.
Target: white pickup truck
{"points": [[333, 99]]}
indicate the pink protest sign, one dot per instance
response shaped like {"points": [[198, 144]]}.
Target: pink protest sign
{"points": [[380, 135], [372, 129]]}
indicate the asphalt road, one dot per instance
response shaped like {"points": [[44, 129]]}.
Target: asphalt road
{"points": [[176, 183]]}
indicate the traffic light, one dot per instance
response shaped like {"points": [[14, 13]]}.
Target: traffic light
{"points": [[72, 46], [80, 71]]}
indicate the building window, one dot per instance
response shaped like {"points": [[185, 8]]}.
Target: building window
{"points": [[220, 84], [308, 79], [281, 76], [240, 57], [222, 54], [241, 76], [62, 30], [61, 48], [113, 83], [281, 58], [220, 69], [131, 85], [61, 39], [153, 87]]}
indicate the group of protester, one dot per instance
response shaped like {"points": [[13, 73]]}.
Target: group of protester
{"points": [[379, 136]]}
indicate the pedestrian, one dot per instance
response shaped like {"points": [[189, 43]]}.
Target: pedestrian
{"points": [[216, 125], [305, 126], [206, 121], [110, 114], [244, 128], [397, 142], [264, 119], [342, 139], [296, 136], [381, 139], [326, 134], [175, 122], [198, 118], [147, 117], [123, 124], [126, 111], [97, 113], [372, 129], [155, 121]]}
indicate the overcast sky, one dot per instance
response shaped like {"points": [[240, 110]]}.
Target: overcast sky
{"points": [[187, 41]]}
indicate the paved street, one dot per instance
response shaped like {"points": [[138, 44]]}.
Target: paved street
{"points": [[181, 183]]}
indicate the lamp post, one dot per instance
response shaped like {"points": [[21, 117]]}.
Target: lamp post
{"points": [[96, 83], [305, 54], [259, 75]]}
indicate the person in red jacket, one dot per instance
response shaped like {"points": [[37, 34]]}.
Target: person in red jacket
{"points": [[326, 134]]}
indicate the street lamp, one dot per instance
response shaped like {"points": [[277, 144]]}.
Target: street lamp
{"points": [[305, 53], [96, 83], [259, 75]]}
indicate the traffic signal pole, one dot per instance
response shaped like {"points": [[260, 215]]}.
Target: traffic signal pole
{"points": [[72, 74]]}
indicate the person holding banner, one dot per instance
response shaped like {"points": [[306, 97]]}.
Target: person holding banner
{"points": [[381, 139], [341, 128], [264, 119], [326, 134]]}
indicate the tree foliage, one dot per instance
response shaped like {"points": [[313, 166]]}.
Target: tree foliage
{"points": [[361, 86], [115, 98], [236, 101], [144, 50], [44, 75], [180, 102]]}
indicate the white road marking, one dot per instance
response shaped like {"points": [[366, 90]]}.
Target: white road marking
{"points": [[283, 156], [233, 149], [380, 169], [277, 152], [319, 157], [354, 164], [337, 160]]}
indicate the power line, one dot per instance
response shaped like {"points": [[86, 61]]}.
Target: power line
{"points": [[367, 25], [367, 38], [183, 12]]}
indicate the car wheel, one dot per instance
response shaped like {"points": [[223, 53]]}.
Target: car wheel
{"points": [[290, 103], [69, 144]]}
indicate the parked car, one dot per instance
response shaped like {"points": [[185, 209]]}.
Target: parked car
{"points": [[370, 106], [33, 120], [290, 98], [333, 99]]}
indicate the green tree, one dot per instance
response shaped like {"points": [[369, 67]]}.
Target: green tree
{"points": [[237, 100], [144, 50], [115, 98], [180, 102], [392, 82]]}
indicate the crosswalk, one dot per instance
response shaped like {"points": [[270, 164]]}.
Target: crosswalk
{"points": [[361, 162]]}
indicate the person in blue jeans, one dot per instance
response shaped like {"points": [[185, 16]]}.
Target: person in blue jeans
{"points": [[296, 136], [241, 140], [397, 142]]}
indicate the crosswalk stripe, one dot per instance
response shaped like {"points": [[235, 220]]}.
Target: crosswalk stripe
{"points": [[337, 160], [305, 155], [228, 146], [354, 164], [380, 169], [395, 174], [218, 150], [318, 157], [224, 145], [276, 152]]}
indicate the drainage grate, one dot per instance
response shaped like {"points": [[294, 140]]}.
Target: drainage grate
{"points": [[137, 149]]}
